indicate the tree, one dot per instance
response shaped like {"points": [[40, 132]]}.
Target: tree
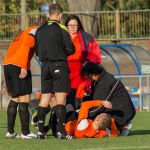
{"points": [[90, 21]]}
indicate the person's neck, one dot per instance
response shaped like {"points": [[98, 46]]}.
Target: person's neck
{"points": [[73, 35], [55, 18], [95, 127]]}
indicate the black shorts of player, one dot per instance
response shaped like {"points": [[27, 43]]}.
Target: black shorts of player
{"points": [[55, 77], [15, 85]]}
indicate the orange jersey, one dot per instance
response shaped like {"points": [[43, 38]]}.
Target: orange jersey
{"points": [[20, 50], [89, 131], [113, 129]]}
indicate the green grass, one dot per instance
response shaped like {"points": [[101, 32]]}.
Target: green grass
{"points": [[138, 139]]}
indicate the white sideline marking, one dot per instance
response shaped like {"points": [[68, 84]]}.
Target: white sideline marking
{"points": [[145, 147]]}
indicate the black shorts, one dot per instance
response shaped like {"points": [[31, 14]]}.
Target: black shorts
{"points": [[55, 77], [16, 86]]}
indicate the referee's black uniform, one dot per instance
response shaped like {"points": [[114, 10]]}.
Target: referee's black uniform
{"points": [[53, 45]]}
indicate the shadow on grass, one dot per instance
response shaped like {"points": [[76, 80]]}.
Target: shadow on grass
{"points": [[139, 132]]}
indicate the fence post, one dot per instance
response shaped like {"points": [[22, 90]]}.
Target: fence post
{"points": [[117, 19], [148, 96], [23, 15], [0, 86], [141, 91]]}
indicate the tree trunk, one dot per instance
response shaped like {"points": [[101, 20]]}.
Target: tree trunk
{"points": [[90, 21]]}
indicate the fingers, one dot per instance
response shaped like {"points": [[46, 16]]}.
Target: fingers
{"points": [[110, 105], [23, 73], [107, 104]]}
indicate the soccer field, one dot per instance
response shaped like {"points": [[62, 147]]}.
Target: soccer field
{"points": [[138, 139]]}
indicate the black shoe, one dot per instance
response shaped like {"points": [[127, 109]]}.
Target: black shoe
{"points": [[41, 136], [64, 136]]}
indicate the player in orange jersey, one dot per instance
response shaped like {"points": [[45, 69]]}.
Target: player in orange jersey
{"points": [[18, 81], [103, 125]]}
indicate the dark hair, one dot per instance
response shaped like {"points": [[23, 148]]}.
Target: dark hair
{"points": [[72, 17], [55, 8], [91, 68]]}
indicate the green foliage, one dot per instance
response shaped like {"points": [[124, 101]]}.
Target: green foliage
{"points": [[127, 4], [12, 6]]}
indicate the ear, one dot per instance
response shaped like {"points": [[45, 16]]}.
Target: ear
{"points": [[60, 15]]}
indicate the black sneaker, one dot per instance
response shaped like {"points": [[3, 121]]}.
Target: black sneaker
{"points": [[64, 136], [41, 136]]}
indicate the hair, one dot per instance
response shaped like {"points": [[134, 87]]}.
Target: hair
{"points": [[106, 121], [74, 17], [55, 9], [91, 68]]}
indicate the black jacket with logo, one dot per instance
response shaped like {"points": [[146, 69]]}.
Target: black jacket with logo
{"points": [[122, 107], [53, 42]]}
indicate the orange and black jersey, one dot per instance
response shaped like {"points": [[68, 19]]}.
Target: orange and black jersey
{"points": [[89, 131], [21, 50], [53, 42]]}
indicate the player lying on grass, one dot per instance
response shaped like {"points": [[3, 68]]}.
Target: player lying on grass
{"points": [[101, 126], [84, 127]]}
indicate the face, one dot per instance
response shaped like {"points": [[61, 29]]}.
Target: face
{"points": [[98, 121], [73, 26]]}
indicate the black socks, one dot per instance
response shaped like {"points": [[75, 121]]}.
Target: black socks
{"points": [[42, 111], [11, 116], [24, 117], [60, 111]]}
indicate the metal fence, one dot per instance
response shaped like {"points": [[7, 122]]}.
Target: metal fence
{"points": [[107, 24], [137, 86]]}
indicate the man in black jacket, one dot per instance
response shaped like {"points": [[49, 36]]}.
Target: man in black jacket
{"points": [[53, 45], [107, 87]]}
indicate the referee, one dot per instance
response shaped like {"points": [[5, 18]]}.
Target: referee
{"points": [[53, 45]]}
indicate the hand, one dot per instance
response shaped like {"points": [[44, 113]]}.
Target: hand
{"points": [[106, 104], [23, 73]]}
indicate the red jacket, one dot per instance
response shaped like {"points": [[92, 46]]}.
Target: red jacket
{"points": [[87, 49]]}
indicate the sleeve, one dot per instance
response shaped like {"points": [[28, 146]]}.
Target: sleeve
{"points": [[27, 43], [102, 133], [113, 129], [70, 49], [94, 54], [83, 114], [80, 90]]}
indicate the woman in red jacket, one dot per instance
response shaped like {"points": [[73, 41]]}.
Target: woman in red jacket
{"points": [[86, 48]]}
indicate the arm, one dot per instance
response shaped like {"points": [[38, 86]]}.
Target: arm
{"points": [[70, 49], [83, 114], [83, 122], [94, 54]]}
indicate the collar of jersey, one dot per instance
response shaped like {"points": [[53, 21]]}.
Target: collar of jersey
{"points": [[61, 25]]}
